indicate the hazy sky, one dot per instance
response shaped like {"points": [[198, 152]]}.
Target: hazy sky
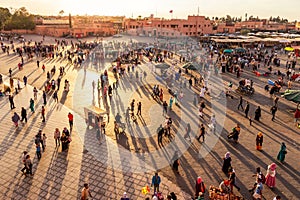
{"points": [[181, 8]]}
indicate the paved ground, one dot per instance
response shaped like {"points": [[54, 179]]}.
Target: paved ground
{"points": [[111, 170]]}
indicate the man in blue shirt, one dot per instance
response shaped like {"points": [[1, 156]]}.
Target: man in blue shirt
{"points": [[155, 182], [258, 190]]}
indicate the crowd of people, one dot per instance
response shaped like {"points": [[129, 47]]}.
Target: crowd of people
{"points": [[256, 59]]}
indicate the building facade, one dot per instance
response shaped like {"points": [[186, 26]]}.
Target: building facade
{"points": [[193, 26], [198, 26]]}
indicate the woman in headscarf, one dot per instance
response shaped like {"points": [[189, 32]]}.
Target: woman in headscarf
{"points": [[200, 187], [259, 141], [270, 177], [282, 152], [31, 105], [15, 119], [226, 163]]}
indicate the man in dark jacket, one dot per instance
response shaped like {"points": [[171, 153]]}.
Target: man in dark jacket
{"points": [[23, 115]]}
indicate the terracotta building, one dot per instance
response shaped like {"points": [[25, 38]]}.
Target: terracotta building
{"points": [[82, 26], [197, 26], [192, 26]]}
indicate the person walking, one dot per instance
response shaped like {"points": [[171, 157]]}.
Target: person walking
{"points": [[171, 102], [43, 68], [200, 187], [23, 115], [132, 106], [257, 113], [44, 97], [44, 139], [28, 164], [25, 80], [35, 93], [160, 132], [31, 105], [139, 108], [190, 83], [232, 179], [64, 141], [247, 108], [273, 111], [241, 103], [85, 192], [259, 141], [58, 82], [55, 96], [165, 108], [201, 108], [15, 119], [24, 161], [276, 99], [38, 151], [258, 190], [71, 118], [226, 163], [282, 153], [39, 139], [11, 101], [270, 177], [57, 137], [156, 182], [202, 133], [258, 176], [168, 124], [66, 131], [10, 72], [43, 114], [161, 95], [188, 131]]}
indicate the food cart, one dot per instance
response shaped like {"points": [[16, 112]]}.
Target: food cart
{"points": [[96, 117]]}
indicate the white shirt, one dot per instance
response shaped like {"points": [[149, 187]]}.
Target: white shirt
{"points": [[202, 92]]}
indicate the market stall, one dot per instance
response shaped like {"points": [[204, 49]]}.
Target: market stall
{"points": [[96, 117]]}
